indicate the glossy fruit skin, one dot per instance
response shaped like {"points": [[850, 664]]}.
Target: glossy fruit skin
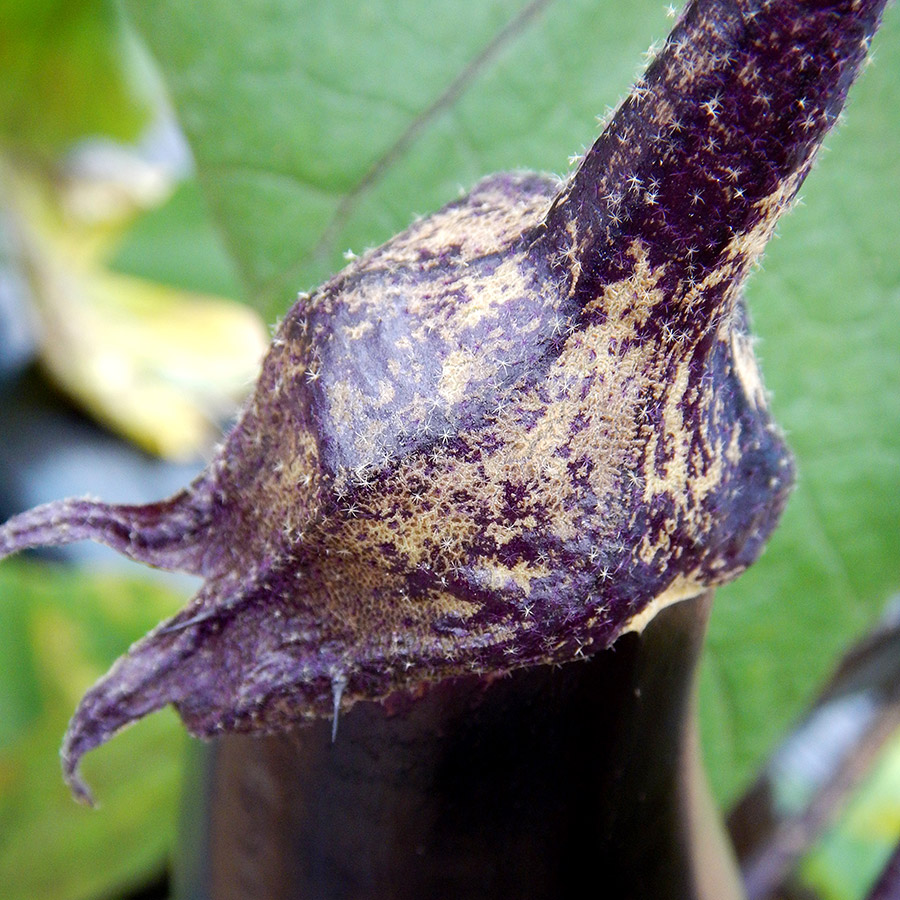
{"points": [[540, 784]]}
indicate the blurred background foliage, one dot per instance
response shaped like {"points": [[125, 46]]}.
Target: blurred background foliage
{"points": [[171, 174], [87, 147]]}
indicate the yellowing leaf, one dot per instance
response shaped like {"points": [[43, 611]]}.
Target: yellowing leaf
{"points": [[162, 366]]}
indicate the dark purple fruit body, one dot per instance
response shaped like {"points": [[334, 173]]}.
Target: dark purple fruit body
{"points": [[551, 782]]}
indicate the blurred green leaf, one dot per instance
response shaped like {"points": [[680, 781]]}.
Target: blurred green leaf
{"points": [[20, 692], [67, 628], [318, 127], [849, 857], [177, 245], [66, 73], [322, 127]]}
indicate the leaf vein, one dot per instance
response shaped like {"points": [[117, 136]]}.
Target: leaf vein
{"points": [[395, 152]]}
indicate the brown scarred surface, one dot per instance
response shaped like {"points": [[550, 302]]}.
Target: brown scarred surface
{"points": [[514, 431]]}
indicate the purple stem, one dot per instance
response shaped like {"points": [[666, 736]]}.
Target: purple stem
{"points": [[713, 142]]}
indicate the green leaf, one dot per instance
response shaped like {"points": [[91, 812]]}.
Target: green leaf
{"points": [[66, 629], [322, 127], [176, 245], [66, 72]]}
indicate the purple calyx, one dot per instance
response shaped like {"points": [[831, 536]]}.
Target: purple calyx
{"points": [[511, 433]]}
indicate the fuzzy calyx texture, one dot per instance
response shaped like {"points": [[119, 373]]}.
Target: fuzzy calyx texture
{"points": [[511, 433]]}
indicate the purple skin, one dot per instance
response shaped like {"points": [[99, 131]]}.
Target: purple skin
{"points": [[510, 434]]}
